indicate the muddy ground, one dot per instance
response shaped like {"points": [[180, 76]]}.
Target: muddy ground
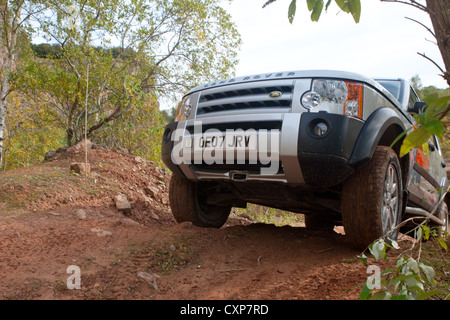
{"points": [[58, 227]]}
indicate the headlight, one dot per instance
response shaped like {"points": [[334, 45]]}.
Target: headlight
{"points": [[335, 96], [184, 109]]}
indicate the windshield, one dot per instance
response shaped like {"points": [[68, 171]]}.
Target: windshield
{"points": [[393, 86]]}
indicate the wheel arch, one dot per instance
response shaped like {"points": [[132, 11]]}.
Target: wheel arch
{"points": [[380, 129]]}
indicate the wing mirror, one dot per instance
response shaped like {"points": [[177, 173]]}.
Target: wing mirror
{"points": [[419, 107]]}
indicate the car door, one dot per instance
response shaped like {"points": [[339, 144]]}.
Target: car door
{"points": [[428, 176]]}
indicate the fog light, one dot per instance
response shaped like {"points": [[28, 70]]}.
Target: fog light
{"points": [[320, 129]]}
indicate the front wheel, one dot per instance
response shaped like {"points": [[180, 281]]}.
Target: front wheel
{"points": [[188, 202], [372, 199]]}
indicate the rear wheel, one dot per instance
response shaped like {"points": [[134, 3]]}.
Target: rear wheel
{"points": [[188, 201], [372, 199]]}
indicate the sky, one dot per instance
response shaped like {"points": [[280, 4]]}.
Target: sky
{"points": [[382, 44]]}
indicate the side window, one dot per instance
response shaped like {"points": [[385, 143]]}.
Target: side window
{"points": [[412, 98]]}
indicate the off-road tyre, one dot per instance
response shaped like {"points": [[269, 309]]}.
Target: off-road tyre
{"points": [[187, 204], [364, 198]]}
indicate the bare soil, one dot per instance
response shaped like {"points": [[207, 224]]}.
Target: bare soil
{"points": [[145, 254]]}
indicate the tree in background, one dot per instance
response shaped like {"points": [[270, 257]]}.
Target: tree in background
{"points": [[14, 18], [160, 47]]}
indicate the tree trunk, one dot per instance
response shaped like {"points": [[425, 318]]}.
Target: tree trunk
{"points": [[8, 38], [439, 11]]}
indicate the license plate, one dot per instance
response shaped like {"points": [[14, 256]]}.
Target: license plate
{"points": [[228, 141]]}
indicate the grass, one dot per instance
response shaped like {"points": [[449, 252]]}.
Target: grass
{"points": [[271, 215], [435, 256]]}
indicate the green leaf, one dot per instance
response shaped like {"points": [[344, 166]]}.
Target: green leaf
{"points": [[381, 295], [343, 5], [437, 107], [365, 293], [442, 243], [378, 249], [428, 294], [327, 5], [415, 139], [355, 9], [351, 6], [428, 271], [363, 259], [426, 232], [435, 127], [311, 4], [317, 11], [292, 10]]}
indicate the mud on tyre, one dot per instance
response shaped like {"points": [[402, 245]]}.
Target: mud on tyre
{"points": [[372, 199]]}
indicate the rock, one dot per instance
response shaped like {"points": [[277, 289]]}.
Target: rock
{"points": [[80, 147], [80, 168], [138, 159], [149, 278], [154, 215], [151, 191], [101, 233], [49, 155], [80, 214], [122, 203]]}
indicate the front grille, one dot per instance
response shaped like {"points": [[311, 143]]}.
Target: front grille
{"points": [[254, 95]]}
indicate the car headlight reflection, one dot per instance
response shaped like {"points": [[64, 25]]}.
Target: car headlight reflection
{"points": [[335, 96], [184, 109]]}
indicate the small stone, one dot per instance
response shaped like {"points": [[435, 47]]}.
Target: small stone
{"points": [[149, 278], [49, 155], [122, 203], [138, 159], [80, 214], [151, 191], [154, 215], [80, 168], [101, 233], [80, 147]]}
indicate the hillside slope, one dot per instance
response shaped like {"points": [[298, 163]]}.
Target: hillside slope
{"points": [[52, 220]]}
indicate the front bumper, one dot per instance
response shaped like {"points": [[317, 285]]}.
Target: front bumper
{"points": [[300, 156]]}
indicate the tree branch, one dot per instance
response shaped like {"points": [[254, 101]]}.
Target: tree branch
{"points": [[412, 3], [423, 55], [429, 30]]}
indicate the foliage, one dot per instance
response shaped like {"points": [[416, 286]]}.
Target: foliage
{"points": [[31, 133], [316, 7], [430, 122], [270, 215], [165, 46], [411, 279], [139, 131]]}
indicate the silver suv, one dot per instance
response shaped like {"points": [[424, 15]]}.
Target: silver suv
{"points": [[312, 142]]}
